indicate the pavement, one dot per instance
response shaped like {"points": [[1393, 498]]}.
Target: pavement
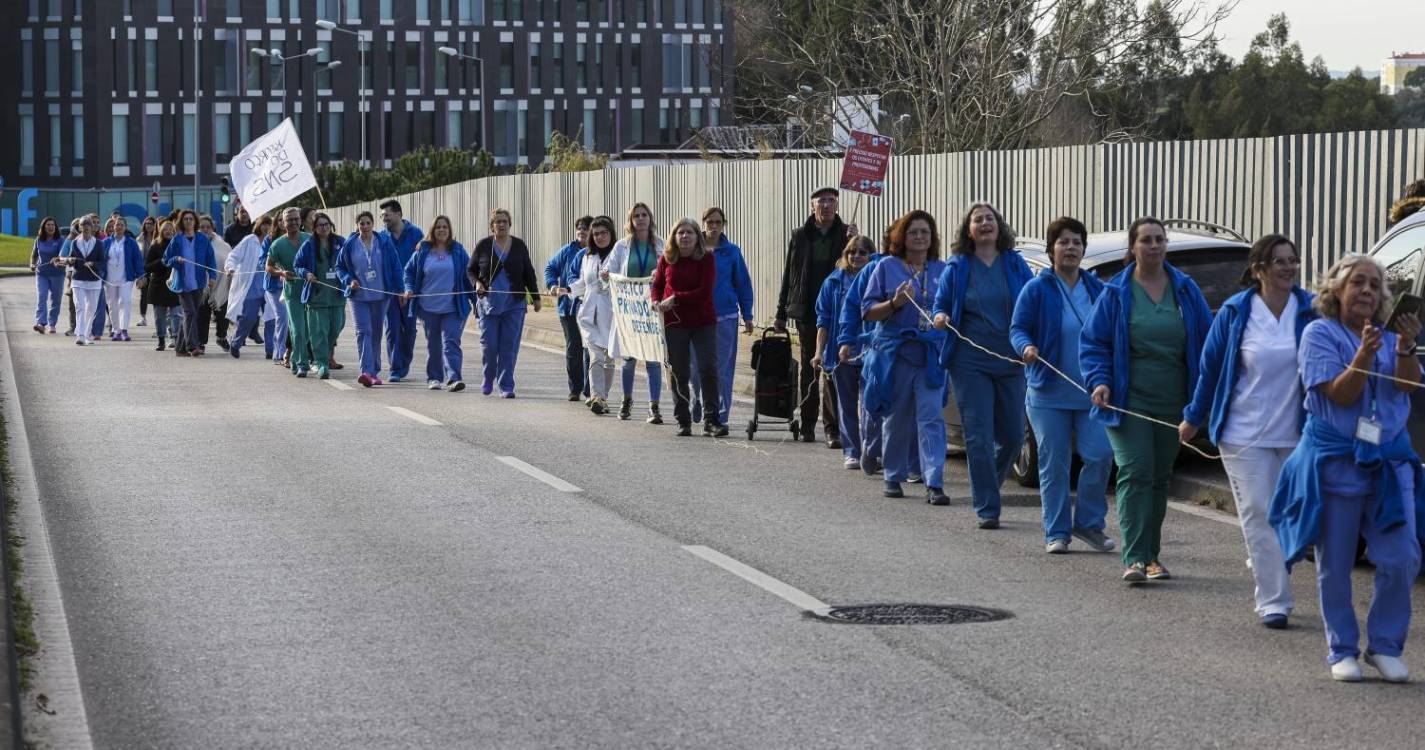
{"points": [[252, 560]]}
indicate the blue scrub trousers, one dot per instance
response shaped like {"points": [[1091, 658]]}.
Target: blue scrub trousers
{"points": [[51, 289], [443, 355], [655, 378], [1396, 555], [400, 340], [369, 318], [500, 348], [915, 426], [848, 412], [277, 337], [247, 320], [1059, 432], [992, 415], [726, 368]]}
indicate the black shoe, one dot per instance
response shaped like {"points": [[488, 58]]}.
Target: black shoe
{"points": [[1275, 621], [989, 523], [574, 397], [654, 417], [871, 466], [161, 345], [719, 430], [255, 338], [893, 489], [599, 407], [808, 437], [707, 429], [833, 443], [626, 411], [936, 496], [685, 430], [223, 344]]}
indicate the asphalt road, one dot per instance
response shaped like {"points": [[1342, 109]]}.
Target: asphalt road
{"points": [[252, 560]]}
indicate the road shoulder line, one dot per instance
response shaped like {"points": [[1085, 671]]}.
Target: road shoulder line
{"points": [[538, 473], [791, 594]]}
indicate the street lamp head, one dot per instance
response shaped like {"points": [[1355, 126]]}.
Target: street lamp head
{"points": [[258, 52], [805, 89], [314, 52], [328, 25], [334, 64], [274, 53], [451, 51]]}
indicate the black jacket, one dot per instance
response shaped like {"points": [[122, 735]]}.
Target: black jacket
{"points": [[158, 292], [516, 266], [800, 286], [236, 232]]}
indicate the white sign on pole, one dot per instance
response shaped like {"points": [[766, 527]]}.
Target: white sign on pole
{"points": [[639, 325], [272, 170]]}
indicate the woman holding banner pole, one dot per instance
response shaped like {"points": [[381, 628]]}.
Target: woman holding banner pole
{"points": [[636, 256], [596, 310]]}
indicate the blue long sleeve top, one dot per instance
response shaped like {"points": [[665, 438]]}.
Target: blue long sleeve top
{"points": [[950, 298], [732, 290], [1037, 322], [561, 271], [133, 256], [1103, 345], [414, 278], [190, 278], [348, 264], [411, 238], [852, 331], [829, 302], [306, 262]]}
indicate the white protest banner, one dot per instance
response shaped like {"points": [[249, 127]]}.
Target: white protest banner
{"points": [[272, 170], [639, 324]]}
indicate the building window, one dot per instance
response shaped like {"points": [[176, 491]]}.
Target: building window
{"points": [[716, 10], [226, 75], [507, 66], [121, 140], [558, 59], [326, 10], [234, 9], [386, 15], [635, 65], [245, 128], [588, 128], [703, 62], [598, 65], [353, 11], [150, 65], [294, 10], [521, 134], [131, 60], [640, 11], [665, 134], [581, 59], [536, 73], [274, 8], [223, 136], [470, 11], [413, 67], [165, 8], [54, 10], [334, 133], [324, 73], [548, 126], [441, 64], [423, 10], [636, 132], [190, 151], [581, 10], [52, 66], [27, 144], [27, 67], [254, 74], [452, 130], [153, 142]]}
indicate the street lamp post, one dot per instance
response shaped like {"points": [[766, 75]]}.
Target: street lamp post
{"points": [[363, 40], [279, 60], [484, 114]]}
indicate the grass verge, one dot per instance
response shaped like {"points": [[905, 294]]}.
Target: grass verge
{"points": [[15, 251], [27, 644]]}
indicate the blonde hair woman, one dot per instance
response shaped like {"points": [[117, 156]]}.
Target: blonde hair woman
{"points": [[636, 256]]}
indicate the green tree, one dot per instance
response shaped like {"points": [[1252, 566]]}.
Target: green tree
{"points": [[1415, 78], [1272, 92], [347, 182], [565, 154], [1354, 103]]}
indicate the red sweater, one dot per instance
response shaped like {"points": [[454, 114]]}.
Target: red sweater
{"points": [[691, 282]]}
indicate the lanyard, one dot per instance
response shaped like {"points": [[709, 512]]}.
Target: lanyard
{"points": [[1069, 299], [370, 251], [643, 252]]}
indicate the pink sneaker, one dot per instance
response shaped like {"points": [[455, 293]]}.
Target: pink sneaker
{"points": [[377, 381], [365, 380]]}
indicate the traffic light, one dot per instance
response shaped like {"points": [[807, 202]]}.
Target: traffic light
{"points": [[227, 196]]}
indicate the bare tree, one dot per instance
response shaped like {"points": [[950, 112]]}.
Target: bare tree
{"points": [[971, 74]]}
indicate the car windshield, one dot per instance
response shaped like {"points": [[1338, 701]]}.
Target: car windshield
{"points": [[1401, 257], [1217, 272]]}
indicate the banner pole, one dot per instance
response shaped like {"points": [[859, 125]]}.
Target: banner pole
{"points": [[856, 210], [321, 197]]}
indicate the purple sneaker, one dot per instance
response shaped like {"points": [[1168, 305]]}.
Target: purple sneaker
{"points": [[365, 380]]}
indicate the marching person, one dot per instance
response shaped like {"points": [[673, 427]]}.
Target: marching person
{"points": [[404, 237], [437, 289], [682, 289], [1247, 381], [164, 300], [245, 295], [636, 256], [1354, 473], [49, 275], [370, 274], [190, 255], [732, 294], [504, 281], [1140, 351], [322, 293], [124, 265], [904, 383], [240, 228], [1048, 318], [845, 372], [851, 336], [811, 256], [281, 264], [559, 274], [596, 310], [982, 281], [86, 258], [215, 299], [272, 285], [148, 234]]}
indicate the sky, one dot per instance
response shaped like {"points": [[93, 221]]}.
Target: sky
{"points": [[1344, 34]]}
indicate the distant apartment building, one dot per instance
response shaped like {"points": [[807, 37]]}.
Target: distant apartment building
{"points": [[1396, 67], [111, 94]]}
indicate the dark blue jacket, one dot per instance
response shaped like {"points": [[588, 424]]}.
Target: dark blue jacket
{"points": [[561, 271], [950, 299], [732, 288], [411, 237], [133, 256], [415, 273], [1217, 372], [1103, 344], [305, 262], [202, 254], [392, 276], [95, 256], [1038, 320]]}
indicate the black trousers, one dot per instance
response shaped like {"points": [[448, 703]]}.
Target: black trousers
{"points": [[576, 359], [682, 342], [811, 382]]}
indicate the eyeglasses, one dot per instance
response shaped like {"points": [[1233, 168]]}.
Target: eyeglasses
{"points": [[322, 225], [1288, 262], [917, 232]]}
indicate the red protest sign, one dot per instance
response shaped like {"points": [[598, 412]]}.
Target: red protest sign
{"points": [[864, 168]]}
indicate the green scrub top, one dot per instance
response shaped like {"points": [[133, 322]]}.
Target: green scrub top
{"points": [[327, 293], [283, 254], [1157, 359]]}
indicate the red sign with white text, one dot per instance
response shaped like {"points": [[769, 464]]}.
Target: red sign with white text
{"points": [[864, 168]]}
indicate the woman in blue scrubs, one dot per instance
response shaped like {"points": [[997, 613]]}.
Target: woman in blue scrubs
{"points": [[370, 273], [437, 290], [504, 281], [847, 373]]}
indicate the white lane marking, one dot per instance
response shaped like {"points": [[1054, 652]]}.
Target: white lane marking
{"points": [[1208, 513], [56, 675], [797, 597], [407, 413], [340, 386], [538, 473]]}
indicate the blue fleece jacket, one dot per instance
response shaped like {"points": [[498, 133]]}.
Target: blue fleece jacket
{"points": [[411, 237], [1222, 354], [829, 303], [202, 255], [1103, 344], [732, 287], [392, 275], [306, 262], [1037, 322], [133, 256], [950, 299], [852, 330], [415, 273], [561, 271]]}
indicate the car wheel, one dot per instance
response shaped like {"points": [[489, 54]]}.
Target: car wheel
{"points": [[1026, 465]]}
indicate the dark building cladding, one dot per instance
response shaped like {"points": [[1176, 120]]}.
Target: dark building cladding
{"points": [[610, 73]]}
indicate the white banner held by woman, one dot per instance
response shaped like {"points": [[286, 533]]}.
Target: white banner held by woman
{"points": [[639, 324], [272, 170]]}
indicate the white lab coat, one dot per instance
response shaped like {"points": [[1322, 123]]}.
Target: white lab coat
{"points": [[618, 263], [218, 296], [242, 260], [596, 311]]}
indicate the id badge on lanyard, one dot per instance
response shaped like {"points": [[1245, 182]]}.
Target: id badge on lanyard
{"points": [[1368, 428]]}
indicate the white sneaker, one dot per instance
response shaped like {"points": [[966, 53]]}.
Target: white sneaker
{"points": [[1346, 670], [1391, 668], [852, 463], [1057, 547], [433, 385], [914, 478]]}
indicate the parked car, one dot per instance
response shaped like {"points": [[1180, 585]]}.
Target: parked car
{"points": [[1402, 251], [1212, 255]]}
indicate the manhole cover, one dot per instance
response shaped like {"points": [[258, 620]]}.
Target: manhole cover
{"points": [[913, 614]]}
